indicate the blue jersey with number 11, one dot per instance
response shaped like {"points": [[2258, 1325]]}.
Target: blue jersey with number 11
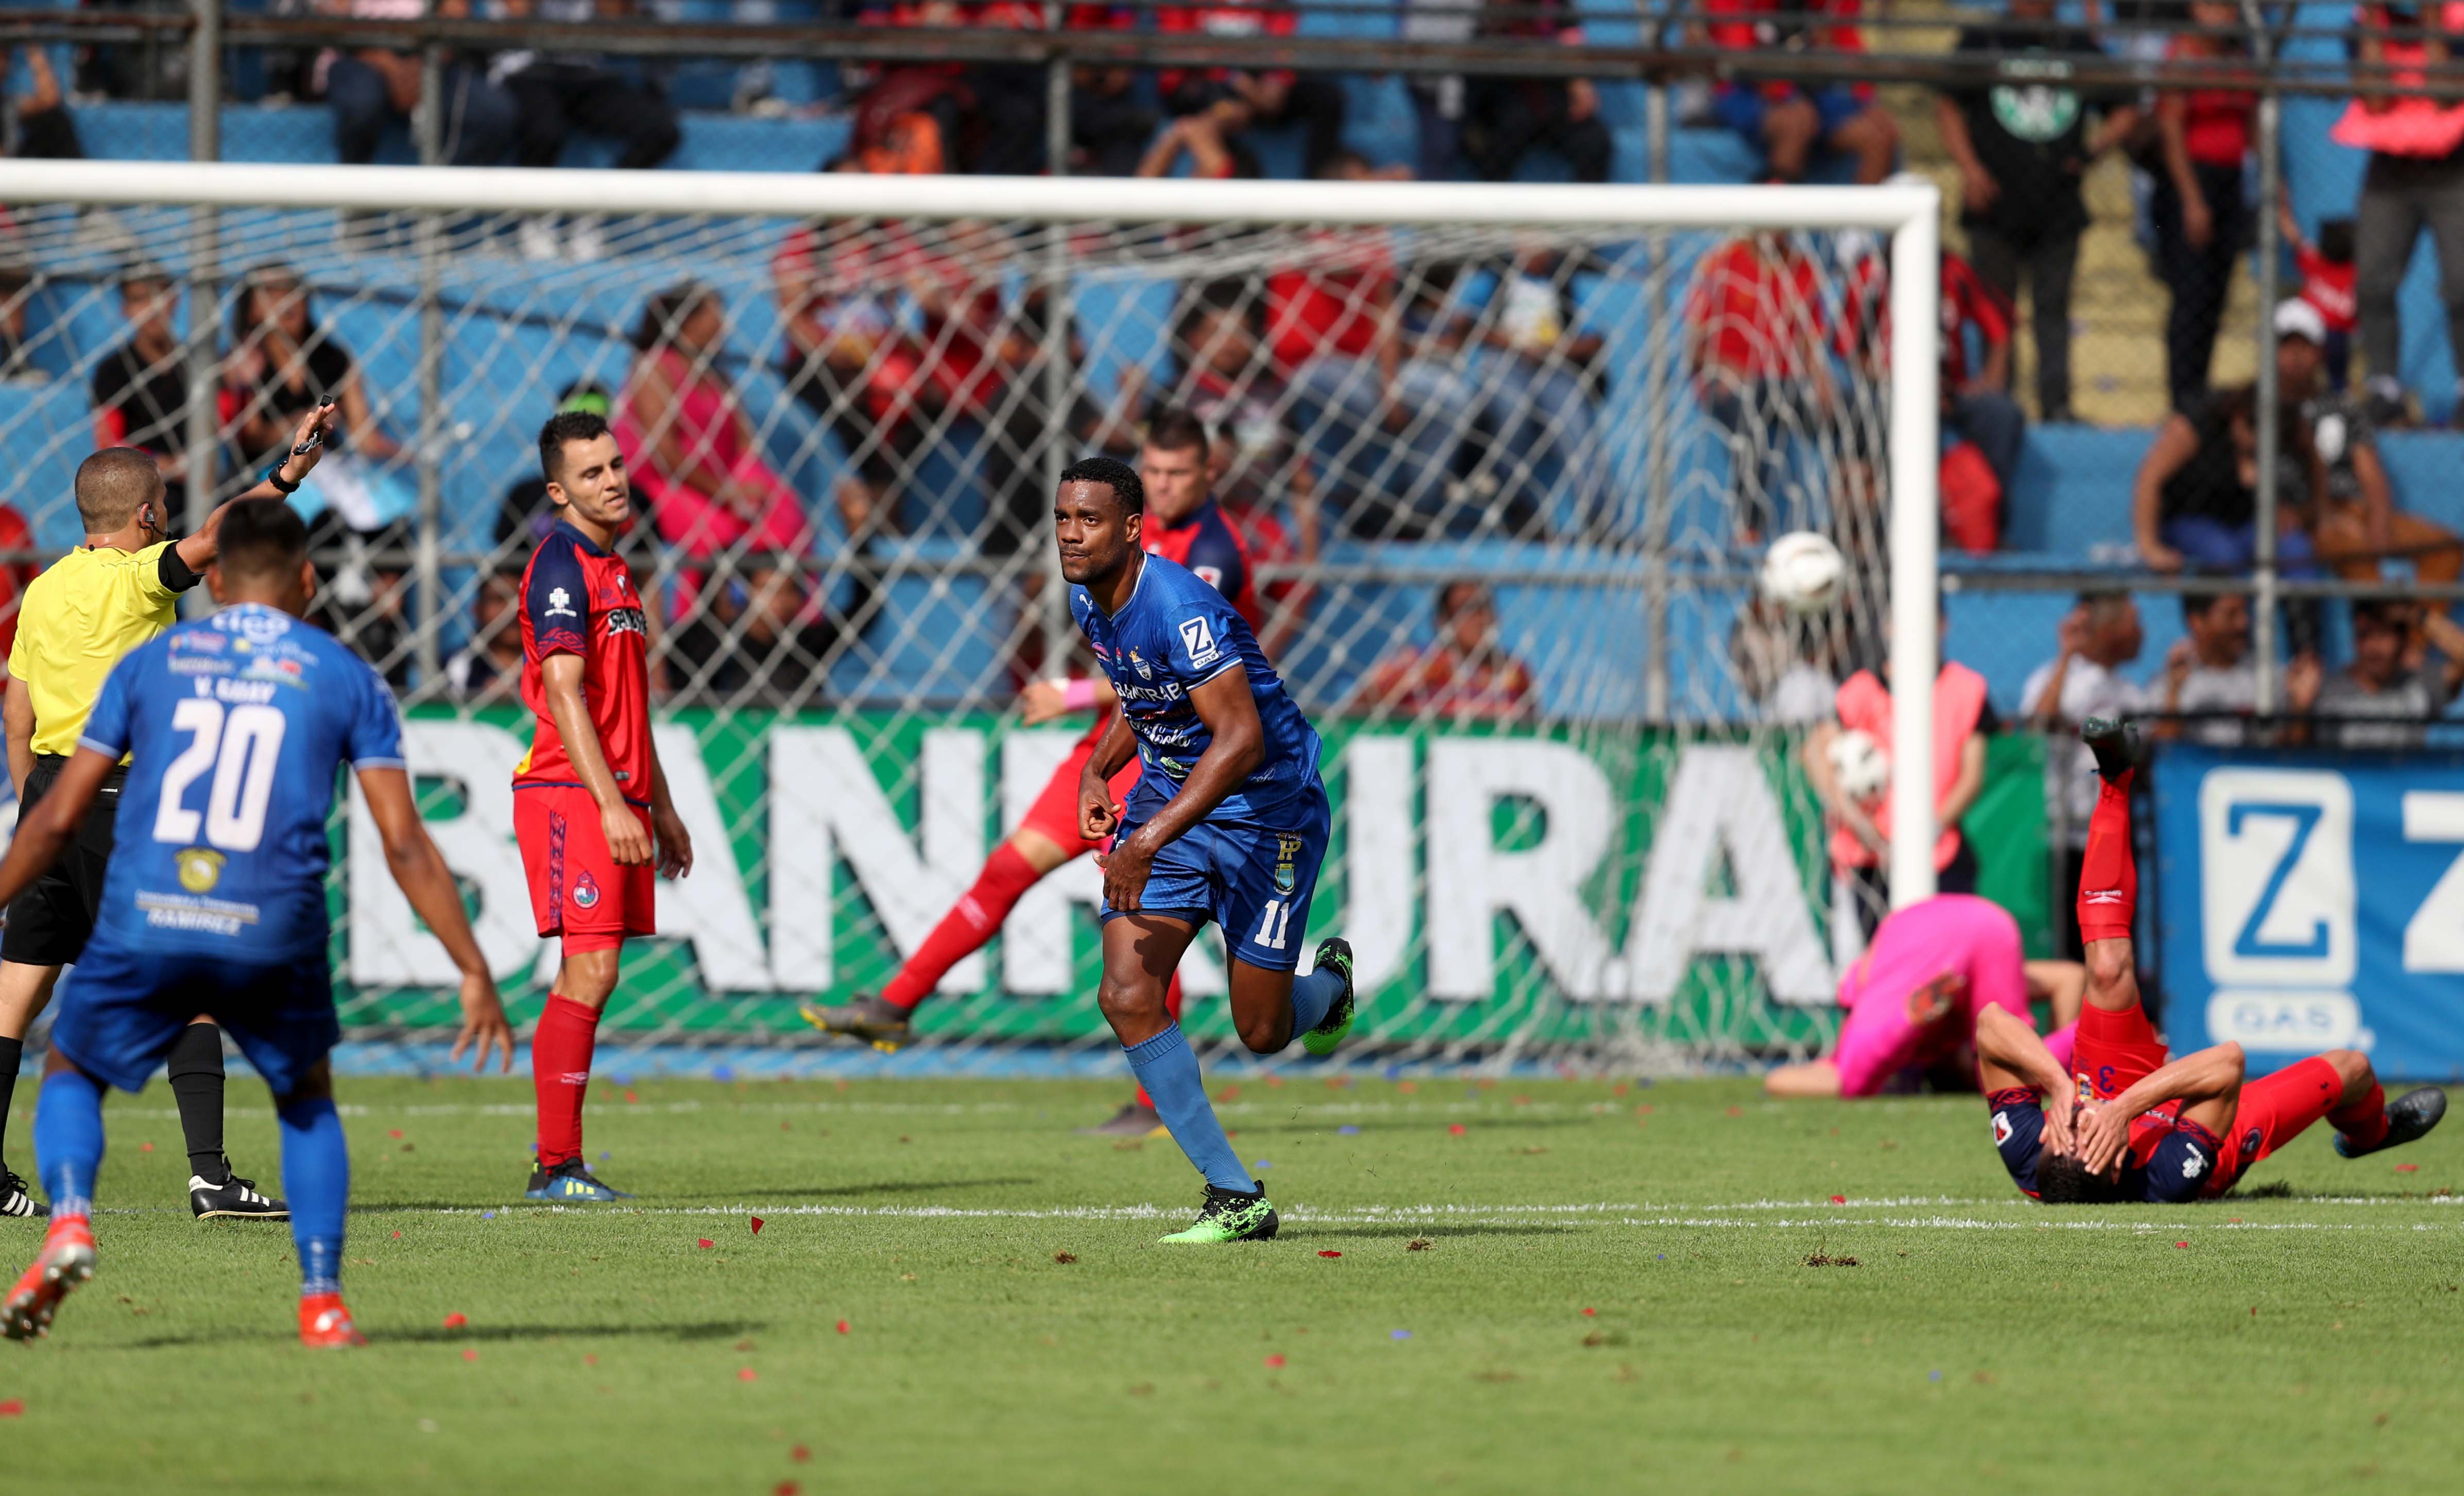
{"points": [[234, 726]]}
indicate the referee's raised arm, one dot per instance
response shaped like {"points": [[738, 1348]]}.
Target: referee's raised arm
{"points": [[197, 552]]}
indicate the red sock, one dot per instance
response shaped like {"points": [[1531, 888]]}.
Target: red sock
{"points": [[560, 1075], [962, 931], [2108, 890], [1172, 996], [2362, 1121]]}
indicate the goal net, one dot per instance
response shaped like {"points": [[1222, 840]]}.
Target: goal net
{"points": [[1504, 460]]}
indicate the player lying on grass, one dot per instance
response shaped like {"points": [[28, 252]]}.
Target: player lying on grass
{"points": [[2149, 1127], [216, 897], [1228, 822], [1182, 524], [1914, 998]]}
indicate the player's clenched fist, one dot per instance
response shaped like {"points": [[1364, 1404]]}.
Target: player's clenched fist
{"points": [[628, 840], [1125, 873], [1097, 816]]}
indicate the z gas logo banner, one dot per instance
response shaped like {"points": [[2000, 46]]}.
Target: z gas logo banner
{"points": [[2311, 901]]}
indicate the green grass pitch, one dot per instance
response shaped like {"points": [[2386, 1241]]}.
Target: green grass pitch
{"points": [[953, 1293]]}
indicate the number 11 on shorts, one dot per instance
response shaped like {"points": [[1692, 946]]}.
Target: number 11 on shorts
{"points": [[1275, 926]]}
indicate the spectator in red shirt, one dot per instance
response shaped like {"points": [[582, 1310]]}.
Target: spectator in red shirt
{"points": [[1234, 101], [1788, 122], [1465, 674], [2330, 282], [2202, 223], [1976, 403], [2415, 181], [1755, 347], [1384, 408]]}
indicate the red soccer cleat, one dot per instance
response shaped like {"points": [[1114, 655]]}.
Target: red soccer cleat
{"points": [[66, 1260], [326, 1323]]}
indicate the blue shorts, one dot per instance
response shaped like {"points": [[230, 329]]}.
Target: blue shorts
{"points": [[1743, 108], [120, 1012], [1255, 881]]}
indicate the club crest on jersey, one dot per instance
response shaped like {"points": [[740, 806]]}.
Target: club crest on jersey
{"points": [[2001, 1128], [560, 603], [200, 869], [1199, 640], [1145, 671], [2250, 1142], [1212, 576], [586, 893], [1288, 849]]}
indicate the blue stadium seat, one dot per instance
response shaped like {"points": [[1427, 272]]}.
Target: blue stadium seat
{"points": [[939, 639], [44, 433], [2071, 491]]}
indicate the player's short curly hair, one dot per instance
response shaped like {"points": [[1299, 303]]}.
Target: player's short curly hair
{"points": [[2062, 1179], [1113, 473]]}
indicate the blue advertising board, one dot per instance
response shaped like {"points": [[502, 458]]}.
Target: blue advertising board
{"points": [[2312, 900]]}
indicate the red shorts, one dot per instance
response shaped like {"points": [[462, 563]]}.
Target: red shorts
{"points": [[576, 890], [2114, 1051], [1054, 815], [2275, 1110]]}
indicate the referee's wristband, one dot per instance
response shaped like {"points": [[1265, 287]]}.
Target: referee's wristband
{"points": [[281, 484]]}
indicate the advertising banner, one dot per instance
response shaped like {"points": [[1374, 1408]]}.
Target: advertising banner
{"points": [[2311, 901]]}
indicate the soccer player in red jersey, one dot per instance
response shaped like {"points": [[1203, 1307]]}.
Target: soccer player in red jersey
{"points": [[2149, 1127], [1185, 525], [590, 804]]}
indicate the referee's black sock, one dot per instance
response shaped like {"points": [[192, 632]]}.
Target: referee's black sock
{"points": [[196, 1073], [12, 1053]]}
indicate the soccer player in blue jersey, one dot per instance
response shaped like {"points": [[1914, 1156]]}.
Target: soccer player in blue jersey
{"points": [[1228, 822], [214, 901]]}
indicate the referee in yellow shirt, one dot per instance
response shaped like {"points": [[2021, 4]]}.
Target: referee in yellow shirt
{"points": [[118, 591]]}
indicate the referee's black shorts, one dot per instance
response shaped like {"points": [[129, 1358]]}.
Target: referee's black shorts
{"points": [[48, 923]]}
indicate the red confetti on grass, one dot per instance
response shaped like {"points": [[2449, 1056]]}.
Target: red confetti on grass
{"points": [[470, 1356], [630, 1098], [145, 1148], [1275, 1360], [2184, 1245], [1839, 1200], [704, 1242], [1736, 1112], [394, 1132], [800, 1454], [1458, 1130], [397, 1236], [745, 1374], [785, 1488], [757, 1224], [13, 1408], [2408, 1168], [843, 1329], [1591, 1311], [588, 1359], [456, 1320], [1329, 1254]]}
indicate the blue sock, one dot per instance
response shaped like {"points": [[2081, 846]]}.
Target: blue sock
{"points": [[317, 1177], [1169, 1072], [68, 1140], [1312, 996]]}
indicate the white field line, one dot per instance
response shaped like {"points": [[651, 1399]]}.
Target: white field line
{"points": [[604, 1104]]}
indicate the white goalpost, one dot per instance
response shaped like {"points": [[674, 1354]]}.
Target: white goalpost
{"points": [[905, 361]]}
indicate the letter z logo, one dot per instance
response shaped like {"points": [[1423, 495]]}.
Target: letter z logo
{"points": [[1199, 640]]}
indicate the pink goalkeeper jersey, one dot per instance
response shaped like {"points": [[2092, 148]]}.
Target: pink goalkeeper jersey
{"points": [[1951, 933]]}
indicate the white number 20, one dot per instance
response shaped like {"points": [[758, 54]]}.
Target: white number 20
{"points": [[241, 747], [1276, 926]]}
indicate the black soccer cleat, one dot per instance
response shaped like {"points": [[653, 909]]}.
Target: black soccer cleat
{"points": [[2114, 742], [15, 1199], [884, 1025], [1133, 1120], [234, 1199], [2409, 1116]]}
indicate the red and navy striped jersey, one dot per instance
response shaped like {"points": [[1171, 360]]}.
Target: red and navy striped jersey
{"points": [[578, 599], [1205, 543]]}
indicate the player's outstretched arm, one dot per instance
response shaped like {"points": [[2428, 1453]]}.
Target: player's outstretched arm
{"points": [[674, 841], [1235, 745], [45, 831], [198, 551], [419, 870], [2206, 1082], [2010, 1056], [561, 678]]}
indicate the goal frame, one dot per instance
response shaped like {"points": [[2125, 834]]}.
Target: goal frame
{"points": [[1908, 212]]}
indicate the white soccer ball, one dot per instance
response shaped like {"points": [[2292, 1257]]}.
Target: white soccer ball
{"points": [[1803, 572], [1859, 764]]}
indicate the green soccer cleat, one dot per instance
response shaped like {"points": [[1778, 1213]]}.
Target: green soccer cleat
{"points": [[1229, 1215], [1336, 952]]}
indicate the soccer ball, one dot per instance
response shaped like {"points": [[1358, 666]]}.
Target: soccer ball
{"points": [[1860, 766], [1803, 572]]}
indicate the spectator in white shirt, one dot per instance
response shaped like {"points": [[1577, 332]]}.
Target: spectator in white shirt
{"points": [[2097, 637]]}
